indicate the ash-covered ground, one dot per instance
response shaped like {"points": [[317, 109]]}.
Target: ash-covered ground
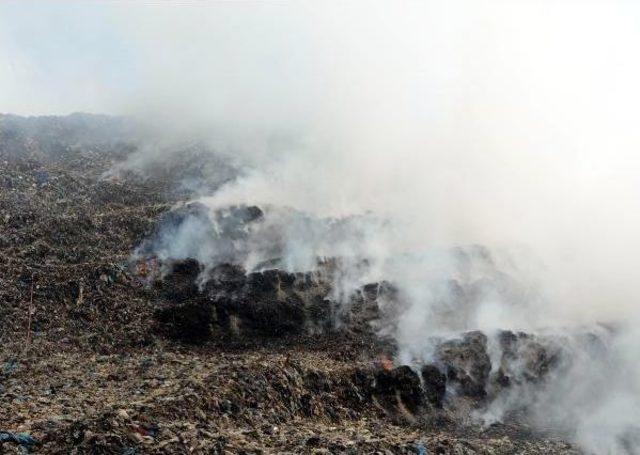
{"points": [[109, 344]]}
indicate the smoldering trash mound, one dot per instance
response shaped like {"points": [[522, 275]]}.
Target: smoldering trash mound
{"points": [[119, 337]]}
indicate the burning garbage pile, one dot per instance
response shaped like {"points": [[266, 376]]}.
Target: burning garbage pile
{"points": [[260, 315], [214, 276], [196, 263], [271, 302]]}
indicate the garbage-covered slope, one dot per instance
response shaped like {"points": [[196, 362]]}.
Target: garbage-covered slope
{"points": [[97, 358]]}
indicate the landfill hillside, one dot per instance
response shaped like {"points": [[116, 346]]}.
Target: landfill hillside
{"points": [[107, 352]]}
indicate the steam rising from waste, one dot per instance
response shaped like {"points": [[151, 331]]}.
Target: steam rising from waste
{"points": [[481, 156]]}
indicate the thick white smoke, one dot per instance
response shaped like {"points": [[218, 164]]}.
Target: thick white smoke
{"points": [[503, 124], [506, 124]]}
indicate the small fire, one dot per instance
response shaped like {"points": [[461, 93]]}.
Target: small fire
{"points": [[147, 268], [385, 362]]}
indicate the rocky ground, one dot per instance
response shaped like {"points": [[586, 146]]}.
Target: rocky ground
{"points": [[97, 357]]}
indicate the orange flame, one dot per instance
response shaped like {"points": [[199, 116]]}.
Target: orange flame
{"points": [[385, 362]]}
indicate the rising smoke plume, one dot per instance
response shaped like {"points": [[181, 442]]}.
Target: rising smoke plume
{"points": [[435, 125]]}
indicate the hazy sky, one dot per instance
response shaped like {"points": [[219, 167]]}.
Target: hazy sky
{"points": [[58, 57], [61, 57]]}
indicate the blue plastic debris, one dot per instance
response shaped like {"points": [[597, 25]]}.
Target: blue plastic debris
{"points": [[42, 177], [23, 439], [10, 366]]}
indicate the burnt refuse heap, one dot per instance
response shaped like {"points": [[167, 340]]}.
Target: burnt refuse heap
{"points": [[191, 262], [232, 302], [191, 266], [196, 305]]}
